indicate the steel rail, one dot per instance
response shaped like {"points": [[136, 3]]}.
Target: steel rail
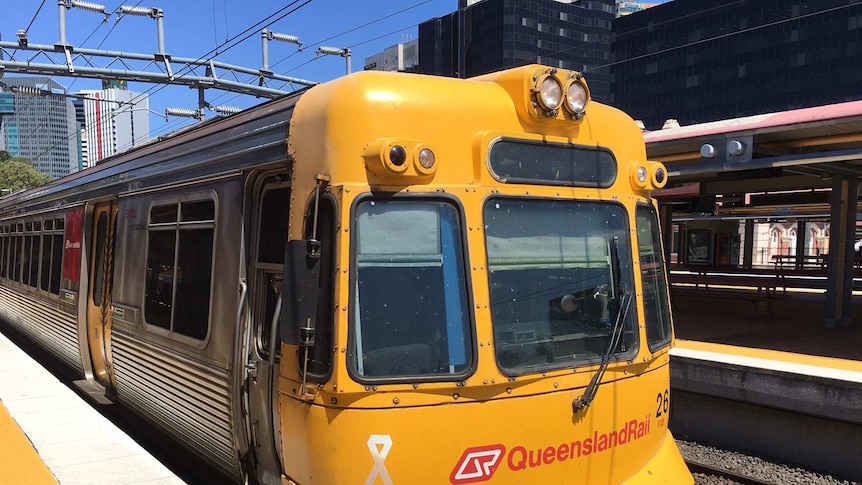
{"points": [[697, 467]]}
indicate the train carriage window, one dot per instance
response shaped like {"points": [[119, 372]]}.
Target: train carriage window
{"points": [[273, 223], [45, 262], [557, 271], [655, 296], [14, 270], [179, 267], [4, 250], [35, 247], [56, 263], [320, 356], [99, 258], [25, 259], [411, 318]]}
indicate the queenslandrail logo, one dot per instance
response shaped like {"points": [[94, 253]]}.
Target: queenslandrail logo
{"points": [[73, 245], [478, 464]]}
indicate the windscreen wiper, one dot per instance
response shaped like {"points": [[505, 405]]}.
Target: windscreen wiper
{"points": [[625, 299]]}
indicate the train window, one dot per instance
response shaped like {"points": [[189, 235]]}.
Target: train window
{"points": [[99, 258], [4, 250], [273, 222], [179, 267], [552, 164], [161, 250], [59, 224], [320, 356], [25, 260], [45, 262], [198, 211], [655, 296], [56, 263], [14, 271], [557, 271], [411, 318], [34, 261], [163, 214], [272, 237]]}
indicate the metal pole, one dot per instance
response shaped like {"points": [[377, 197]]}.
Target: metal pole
{"points": [[347, 56], [264, 36], [160, 28], [61, 14]]}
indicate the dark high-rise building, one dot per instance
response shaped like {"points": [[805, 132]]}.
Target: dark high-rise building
{"points": [[706, 60], [499, 34]]}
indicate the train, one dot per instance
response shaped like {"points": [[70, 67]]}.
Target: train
{"points": [[387, 278]]}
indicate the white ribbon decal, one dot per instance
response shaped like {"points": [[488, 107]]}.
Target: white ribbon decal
{"points": [[379, 455]]}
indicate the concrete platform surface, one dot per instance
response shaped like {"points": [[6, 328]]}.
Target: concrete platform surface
{"points": [[76, 443]]}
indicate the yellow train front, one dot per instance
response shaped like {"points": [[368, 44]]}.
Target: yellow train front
{"points": [[474, 290]]}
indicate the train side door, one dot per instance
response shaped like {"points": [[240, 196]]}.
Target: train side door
{"points": [[271, 204], [101, 271]]}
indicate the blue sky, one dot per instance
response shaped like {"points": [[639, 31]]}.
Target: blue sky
{"points": [[194, 28]]}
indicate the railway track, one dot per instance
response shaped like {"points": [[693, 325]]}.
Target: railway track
{"points": [[697, 467]]}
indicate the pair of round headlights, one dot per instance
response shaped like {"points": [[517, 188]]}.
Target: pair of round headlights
{"points": [[550, 95], [425, 158]]}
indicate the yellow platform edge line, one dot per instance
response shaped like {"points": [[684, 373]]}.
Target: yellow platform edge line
{"points": [[19, 461], [776, 355]]}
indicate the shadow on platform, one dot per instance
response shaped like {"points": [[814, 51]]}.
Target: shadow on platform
{"points": [[797, 325]]}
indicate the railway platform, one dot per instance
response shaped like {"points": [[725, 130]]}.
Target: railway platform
{"points": [[791, 387], [49, 435]]}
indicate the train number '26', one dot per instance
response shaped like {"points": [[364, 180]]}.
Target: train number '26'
{"points": [[662, 401]]}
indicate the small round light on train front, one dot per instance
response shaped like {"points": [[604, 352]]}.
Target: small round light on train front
{"points": [[658, 177], [550, 93], [641, 174], [397, 155], [576, 98], [426, 158]]}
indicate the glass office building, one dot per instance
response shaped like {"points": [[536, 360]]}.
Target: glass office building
{"points": [[41, 129], [500, 34], [707, 60]]}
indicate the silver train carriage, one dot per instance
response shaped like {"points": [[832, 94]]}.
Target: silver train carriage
{"points": [[189, 232]]}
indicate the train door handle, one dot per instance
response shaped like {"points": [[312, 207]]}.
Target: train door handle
{"points": [[251, 368]]}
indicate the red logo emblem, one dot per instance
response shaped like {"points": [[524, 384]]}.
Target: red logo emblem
{"points": [[477, 464]]}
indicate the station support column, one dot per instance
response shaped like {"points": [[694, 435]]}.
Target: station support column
{"points": [[801, 233], [842, 233], [665, 216], [748, 245]]}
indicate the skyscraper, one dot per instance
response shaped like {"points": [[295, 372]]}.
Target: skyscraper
{"points": [[42, 127], [489, 35], [707, 60], [115, 120]]}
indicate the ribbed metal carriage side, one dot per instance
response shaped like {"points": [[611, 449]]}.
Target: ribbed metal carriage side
{"points": [[52, 328], [188, 398]]}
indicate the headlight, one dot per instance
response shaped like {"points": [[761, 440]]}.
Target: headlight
{"points": [[659, 176], [550, 93], [576, 98], [641, 174], [425, 160]]}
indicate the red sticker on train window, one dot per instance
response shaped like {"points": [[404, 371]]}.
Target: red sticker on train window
{"points": [[72, 245], [477, 464]]}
